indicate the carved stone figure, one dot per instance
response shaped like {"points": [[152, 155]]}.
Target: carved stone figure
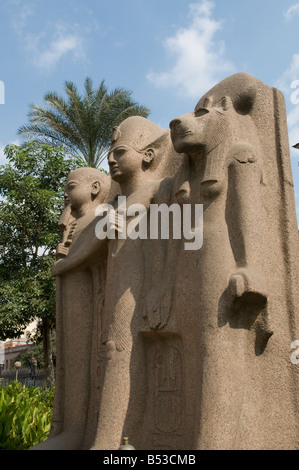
{"points": [[136, 161], [79, 308], [236, 304], [184, 348], [133, 157]]}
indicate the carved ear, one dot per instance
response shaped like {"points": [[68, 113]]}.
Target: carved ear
{"points": [[244, 102], [148, 156], [207, 103], [95, 188], [226, 103]]}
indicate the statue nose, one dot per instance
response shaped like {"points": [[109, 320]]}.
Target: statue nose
{"points": [[111, 159], [174, 123]]}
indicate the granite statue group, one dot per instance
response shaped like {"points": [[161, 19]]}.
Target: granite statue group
{"points": [[179, 348]]}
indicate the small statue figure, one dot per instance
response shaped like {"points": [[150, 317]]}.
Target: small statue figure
{"points": [[78, 315]]}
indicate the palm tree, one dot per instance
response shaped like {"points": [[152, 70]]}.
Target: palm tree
{"points": [[81, 124]]}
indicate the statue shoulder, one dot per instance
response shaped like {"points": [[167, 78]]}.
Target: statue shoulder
{"points": [[163, 191], [244, 162], [242, 153]]}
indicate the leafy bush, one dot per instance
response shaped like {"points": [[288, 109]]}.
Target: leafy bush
{"points": [[25, 416]]}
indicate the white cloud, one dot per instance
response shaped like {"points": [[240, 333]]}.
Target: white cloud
{"points": [[51, 43], [293, 130], [20, 21], [2, 156], [19, 14], [199, 58], [291, 11], [288, 83], [47, 52], [289, 75]]}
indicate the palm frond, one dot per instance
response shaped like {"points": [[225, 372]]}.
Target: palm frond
{"points": [[81, 124]]}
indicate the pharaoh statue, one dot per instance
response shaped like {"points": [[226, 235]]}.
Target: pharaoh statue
{"points": [[235, 300], [78, 307], [141, 161]]}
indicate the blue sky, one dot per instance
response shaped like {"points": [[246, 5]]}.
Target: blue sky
{"points": [[167, 52]]}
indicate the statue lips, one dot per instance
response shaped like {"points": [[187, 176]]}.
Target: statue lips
{"points": [[180, 135], [184, 133], [179, 130], [113, 168]]}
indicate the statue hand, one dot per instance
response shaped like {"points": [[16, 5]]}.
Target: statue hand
{"points": [[249, 300], [61, 250], [247, 286], [59, 268], [55, 269], [157, 308], [237, 285]]}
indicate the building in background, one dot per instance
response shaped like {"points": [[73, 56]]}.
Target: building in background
{"points": [[10, 348]]}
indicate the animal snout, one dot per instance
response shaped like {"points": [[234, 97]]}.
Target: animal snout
{"points": [[175, 123]]}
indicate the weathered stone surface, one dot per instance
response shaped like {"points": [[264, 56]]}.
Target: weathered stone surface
{"points": [[238, 292], [173, 347]]}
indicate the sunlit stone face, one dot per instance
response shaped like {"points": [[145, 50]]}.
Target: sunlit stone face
{"points": [[201, 129]]}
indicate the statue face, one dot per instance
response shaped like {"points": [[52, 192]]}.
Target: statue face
{"points": [[124, 162], [201, 129], [77, 191]]}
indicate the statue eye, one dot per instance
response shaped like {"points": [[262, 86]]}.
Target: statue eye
{"points": [[120, 151], [200, 112]]}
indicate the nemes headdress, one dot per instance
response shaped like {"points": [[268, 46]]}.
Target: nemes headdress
{"points": [[137, 132]]}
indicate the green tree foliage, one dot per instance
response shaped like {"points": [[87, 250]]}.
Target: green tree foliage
{"points": [[36, 352], [31, 190], [25, 416], [81, 124]]}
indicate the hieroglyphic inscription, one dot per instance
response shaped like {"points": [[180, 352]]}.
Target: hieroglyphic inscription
{"points": [[168, 395]]}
